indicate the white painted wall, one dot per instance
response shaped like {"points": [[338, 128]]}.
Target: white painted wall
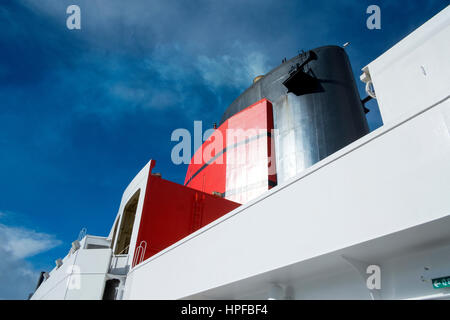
{"points": [[415, 72], [394, 178], [139, 182], [82, 276]]}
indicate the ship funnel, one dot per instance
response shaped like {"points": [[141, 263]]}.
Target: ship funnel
{"points": [[316, 108]]}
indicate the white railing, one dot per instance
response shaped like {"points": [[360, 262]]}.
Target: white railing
{"points": [[139, 253], [119, 264], [82, 234]]}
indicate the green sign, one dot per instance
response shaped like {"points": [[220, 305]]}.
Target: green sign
{"points": [[439, 283]]}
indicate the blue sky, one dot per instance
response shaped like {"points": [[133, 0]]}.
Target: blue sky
{"points": [[82, 111]]}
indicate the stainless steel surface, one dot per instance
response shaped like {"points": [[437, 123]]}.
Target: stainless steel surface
{"points": [[310, 127], [323, 115]]}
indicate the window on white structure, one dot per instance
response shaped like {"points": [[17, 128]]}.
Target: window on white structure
{"points": [[126, 225]]}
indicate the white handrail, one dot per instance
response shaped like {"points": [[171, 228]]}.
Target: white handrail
{"points": [[82, 234], [140, 253]]}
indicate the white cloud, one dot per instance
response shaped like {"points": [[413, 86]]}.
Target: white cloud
{"points": [[235, 69], [232, 71], [22, 243], [17, 276]]}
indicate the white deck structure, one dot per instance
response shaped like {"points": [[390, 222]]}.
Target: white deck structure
{"points": [[383, 200]]}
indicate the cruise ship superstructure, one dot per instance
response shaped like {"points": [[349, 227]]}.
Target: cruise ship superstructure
{"points": [[301, 201]]}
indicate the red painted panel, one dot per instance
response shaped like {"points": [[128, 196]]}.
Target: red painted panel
{"points": [[172, 211], [208, 174], [246, 167]]}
